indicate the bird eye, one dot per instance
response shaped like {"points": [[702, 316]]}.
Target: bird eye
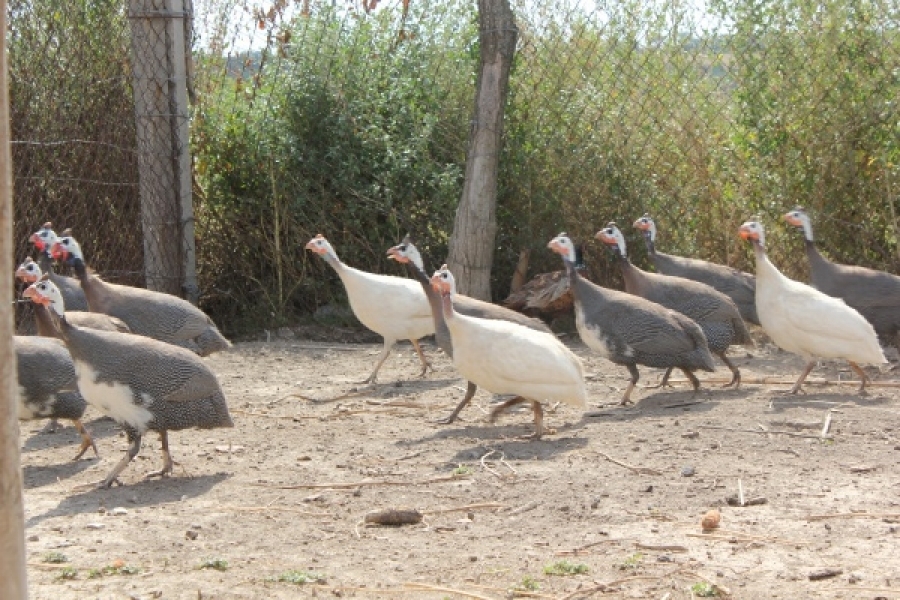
{"points": [[402, 247]]}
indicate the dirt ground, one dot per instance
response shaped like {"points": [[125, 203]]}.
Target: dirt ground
{"points": [[607, 507]]}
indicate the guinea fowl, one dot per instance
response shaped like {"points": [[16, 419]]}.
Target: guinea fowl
{"points": [[43, 239], [47, 385], [407, 253], [713, 311], [737, 285], [508, 358], [148, 313], [874, 294], [801, 319], [142, 383], [30, 272], [393, 307], [630, 330]]}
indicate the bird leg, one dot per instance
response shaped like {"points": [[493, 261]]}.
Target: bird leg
{"points": [[167, 457], [735, 373], [425, 364], [806, 370], [388, 344], [862, 377], [86, 440], [132, 451], [693, 378], [663, 382], [626, 399], [535, 407], [470, 392]]}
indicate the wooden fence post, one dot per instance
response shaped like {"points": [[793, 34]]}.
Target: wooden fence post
{"points": [[13, 582]]}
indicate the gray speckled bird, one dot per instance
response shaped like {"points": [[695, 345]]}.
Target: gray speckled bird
{"points": [[48, 388], [142, 383], [30, 272], [737, 285], [407, 253], [153, 314], [630, 330], [715, 313], [43, 239]]}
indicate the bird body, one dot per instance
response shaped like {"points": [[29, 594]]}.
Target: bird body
{"points": [[874, 294], [147, 313], [407, 253], [48, 385], [806, 321], [142, 383], [715, 313], [509, 358], [737, 285], [630, 330], [393, 307]]}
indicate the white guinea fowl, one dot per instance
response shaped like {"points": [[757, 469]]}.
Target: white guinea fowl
{"points": [[393, 307], [803, 320], [508, 358]]}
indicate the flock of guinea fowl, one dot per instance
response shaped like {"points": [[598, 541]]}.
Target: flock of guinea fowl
{"points": [[135, 354]]}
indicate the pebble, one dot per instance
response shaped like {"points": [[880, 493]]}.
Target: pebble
{"points": [[33, 538], [118, 511], [687, 471], [191, 534], [94, 526]]}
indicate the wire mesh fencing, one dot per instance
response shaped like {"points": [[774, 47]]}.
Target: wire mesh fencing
{"points": [[351, 119]]}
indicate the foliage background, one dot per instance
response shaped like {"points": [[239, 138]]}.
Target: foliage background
{"points": [[351, 120]]}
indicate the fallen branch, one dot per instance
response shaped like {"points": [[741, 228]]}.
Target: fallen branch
{"points": [[789, 433], [525, 508], [808, 381], [445, 590], [660, 548], [276, 508], [581, 549], [467, 507], [853, 515], [356, 484], [639, 470]]}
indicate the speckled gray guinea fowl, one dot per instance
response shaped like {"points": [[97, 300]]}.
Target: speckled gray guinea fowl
{"points": [[630, 330], [737, 285], [153, 314], [48, 388], [874, 294], [70, 288], [142, 383], [715, 313], [407, 253], [29, 272]]}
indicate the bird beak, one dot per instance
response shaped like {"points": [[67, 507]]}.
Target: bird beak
{"points": [[606, 238], [640, 225], [57, 252], [746, 234], [394, 254]]}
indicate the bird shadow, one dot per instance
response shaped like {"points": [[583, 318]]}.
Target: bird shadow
{"points": [[780, 402], [99, 428], [38, 476], [668, 402], [393, 389], [148, 492]]}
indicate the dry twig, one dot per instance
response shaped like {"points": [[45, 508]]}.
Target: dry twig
{"points": [[639, 470], [445, 590], [853, 515], [790, 433], [363, 483]]}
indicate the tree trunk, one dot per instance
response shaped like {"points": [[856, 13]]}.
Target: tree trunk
{"points": [[472, 241], [12, 511]]}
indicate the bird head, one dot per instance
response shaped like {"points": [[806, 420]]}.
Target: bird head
{"points": [[46, 293], [799, 219], [406, 252], [647, 226], [320, 246], [562, 245], [612, 237], [66, 248], [443, 282], [753, 231], [29, 271], [44, 237]]}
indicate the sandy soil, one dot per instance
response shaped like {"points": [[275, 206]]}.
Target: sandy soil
{"points": [[606, 507]]}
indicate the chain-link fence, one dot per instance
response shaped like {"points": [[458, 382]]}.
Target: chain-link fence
{"points": [[351, 119]]}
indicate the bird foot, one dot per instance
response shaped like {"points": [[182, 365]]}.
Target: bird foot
{"points": [[85, 444], [445, 420], [52, 426]]}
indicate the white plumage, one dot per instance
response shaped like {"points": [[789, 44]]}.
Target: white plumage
{"points": [[508, 358], [803, 320], [393, 307]]}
